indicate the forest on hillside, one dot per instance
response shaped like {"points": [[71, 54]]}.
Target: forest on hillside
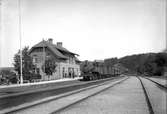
{"points": [[152, 64], [149, 64]]}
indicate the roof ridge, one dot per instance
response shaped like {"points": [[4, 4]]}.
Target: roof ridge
{"points": [[55, 51]]}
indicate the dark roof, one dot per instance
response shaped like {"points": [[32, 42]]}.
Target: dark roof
{"points": [[57, 50]]}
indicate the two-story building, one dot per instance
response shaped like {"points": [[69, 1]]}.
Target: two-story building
{"points": [[67, 64]]}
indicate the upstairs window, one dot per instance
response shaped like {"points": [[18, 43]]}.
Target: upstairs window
{"points": [[36, 60]]}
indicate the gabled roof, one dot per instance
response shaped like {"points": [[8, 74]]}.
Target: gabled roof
{"points": [[64, 49], [57, 50]]}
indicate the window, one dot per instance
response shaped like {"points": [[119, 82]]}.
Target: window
{"points": [[36, 60], [68, 59], [77, 71], [63, 72], [69, 72], [38, 70], [72, 59]]}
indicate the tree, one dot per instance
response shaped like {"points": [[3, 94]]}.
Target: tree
{"points": [[149, 63], [161, 59], [7, 77], [161, 62], [27, 64], [49, 67]]}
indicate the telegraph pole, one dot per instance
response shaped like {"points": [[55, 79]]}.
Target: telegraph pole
{"points": [[20, 37], [44, 55]]}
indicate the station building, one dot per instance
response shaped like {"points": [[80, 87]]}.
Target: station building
{"points": [[67, 63]]}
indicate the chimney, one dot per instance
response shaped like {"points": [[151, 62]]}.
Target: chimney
{"points": [[50, 40], [59, 44]]}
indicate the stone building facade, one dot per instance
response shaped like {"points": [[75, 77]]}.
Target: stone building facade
{"points": [[67, 64]]}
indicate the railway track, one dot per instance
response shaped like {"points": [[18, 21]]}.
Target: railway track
{"points": [[148, 97], [157, 83], [151, 98], [59, 110], [19, 108], [8, 101], [83, 100]]}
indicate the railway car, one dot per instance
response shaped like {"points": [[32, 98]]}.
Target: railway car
{"points": [[99, 70]]}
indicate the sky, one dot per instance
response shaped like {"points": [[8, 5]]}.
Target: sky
{"points": [[94, 29]]}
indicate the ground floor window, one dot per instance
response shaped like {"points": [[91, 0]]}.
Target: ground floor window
{"points": [[63, 72], [38, 70], [71, 72]]}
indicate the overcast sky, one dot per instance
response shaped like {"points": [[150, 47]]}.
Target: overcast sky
{"points": [[95, 29]]}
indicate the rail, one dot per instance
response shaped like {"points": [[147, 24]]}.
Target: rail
{"points": [[147, 97], [24, 106], [160, 85]]}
